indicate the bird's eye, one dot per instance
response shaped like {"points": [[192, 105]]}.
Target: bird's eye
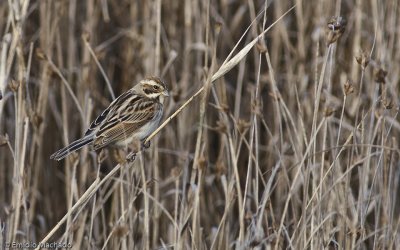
{"points": [[155, 87]]}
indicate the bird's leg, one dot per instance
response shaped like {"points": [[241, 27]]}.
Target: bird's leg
{"points": [[133, 148]]}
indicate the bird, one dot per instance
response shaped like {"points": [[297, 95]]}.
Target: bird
{"points": [[131, 117]]}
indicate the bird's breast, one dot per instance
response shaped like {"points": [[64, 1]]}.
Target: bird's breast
{"points": [[143, 132]]}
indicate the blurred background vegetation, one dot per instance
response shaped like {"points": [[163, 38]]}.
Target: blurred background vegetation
{"points": [[295, 147]]}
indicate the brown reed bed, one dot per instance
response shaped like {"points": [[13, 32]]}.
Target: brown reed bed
{"points": [[281, 130]]}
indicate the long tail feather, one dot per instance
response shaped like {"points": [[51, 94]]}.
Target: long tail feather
{"points": [[62, 153]]}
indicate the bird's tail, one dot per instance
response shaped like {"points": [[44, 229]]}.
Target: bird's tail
{"points": [[62, 153]]}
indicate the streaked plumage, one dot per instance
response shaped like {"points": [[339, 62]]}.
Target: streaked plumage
{"points": [[134, 115]]}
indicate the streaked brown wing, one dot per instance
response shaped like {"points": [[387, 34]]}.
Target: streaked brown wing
{"points": [[119, 132], [105, 115], [126, 121]]}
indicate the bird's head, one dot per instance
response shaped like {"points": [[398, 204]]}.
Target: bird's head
{"points": [[152, 87]]}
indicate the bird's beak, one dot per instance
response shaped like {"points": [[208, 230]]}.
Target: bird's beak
{"points": [[165, 93]]}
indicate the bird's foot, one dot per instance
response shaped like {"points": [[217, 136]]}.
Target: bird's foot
{"points": [[145, 145], [131, 157]]}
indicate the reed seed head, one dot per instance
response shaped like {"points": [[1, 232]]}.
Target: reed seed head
{"points": [[348, 88], [380, 75], [334, 29], [363, 59]]}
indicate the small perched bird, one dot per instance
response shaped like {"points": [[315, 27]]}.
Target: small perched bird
{"points": [[134, 115]]}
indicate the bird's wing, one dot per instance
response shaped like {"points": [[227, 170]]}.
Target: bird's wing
{"points": [[123, 120], [108, 112]]}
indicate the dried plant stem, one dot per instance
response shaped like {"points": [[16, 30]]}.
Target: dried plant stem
{"points": [[66, 84], [199, 141], [260, 159], [110, 89], [225, 68], [296, 176], [20, 178], [146, 220], [81, 202]]}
